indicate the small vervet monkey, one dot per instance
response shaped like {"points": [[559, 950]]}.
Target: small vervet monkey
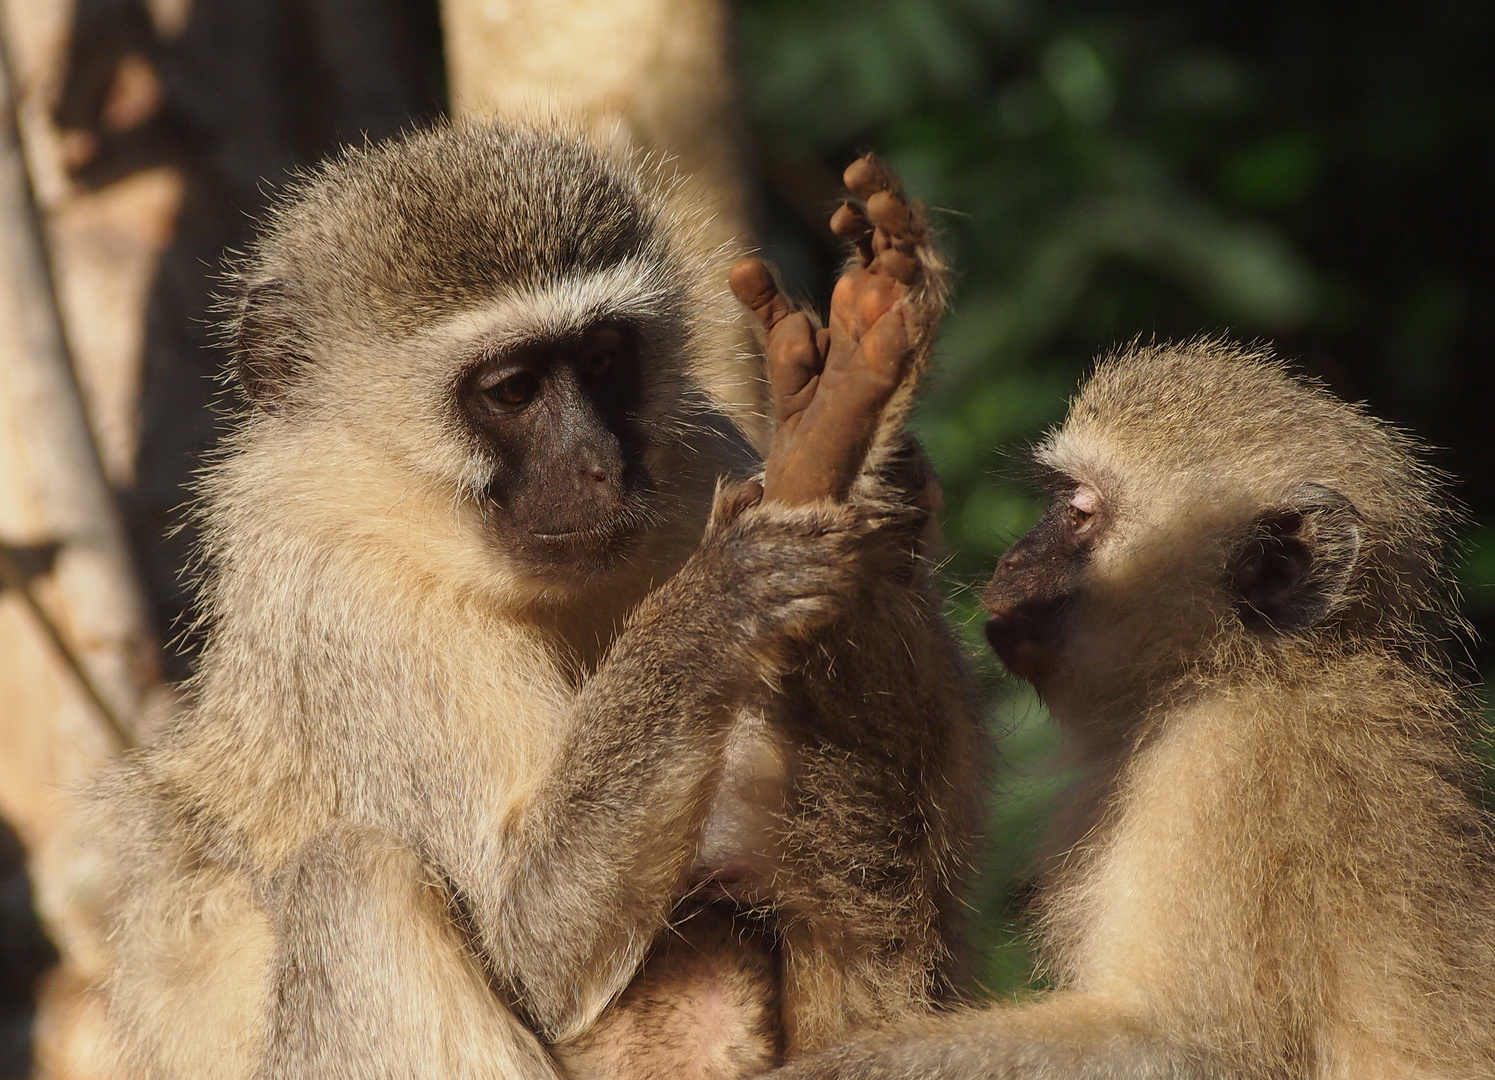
{"points": [[1235, 605], [494, 766]]}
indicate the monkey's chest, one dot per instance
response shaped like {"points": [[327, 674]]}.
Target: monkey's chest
{"points": [[739, 843]]}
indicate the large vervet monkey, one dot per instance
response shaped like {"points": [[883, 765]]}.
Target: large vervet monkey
{"points": [[1235, 605], [484, 728]]}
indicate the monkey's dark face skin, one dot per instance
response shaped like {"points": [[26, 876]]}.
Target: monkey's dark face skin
{"points": [[569, 492], [1038, 579]]}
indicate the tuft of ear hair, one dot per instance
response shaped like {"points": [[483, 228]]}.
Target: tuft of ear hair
{"points": [[267, 349], [1293, 570]]}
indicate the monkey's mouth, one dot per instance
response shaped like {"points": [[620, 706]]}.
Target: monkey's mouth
{"points": [[616, 528], [565, 548], [594, 541], [573, 534], [1025, 639]]}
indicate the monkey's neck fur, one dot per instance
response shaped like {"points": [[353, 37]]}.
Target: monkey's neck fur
{"points": [[425, 631], [1277, 868]]}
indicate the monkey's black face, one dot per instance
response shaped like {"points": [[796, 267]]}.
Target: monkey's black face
{"points": [[560, 418], [1037, 581]]}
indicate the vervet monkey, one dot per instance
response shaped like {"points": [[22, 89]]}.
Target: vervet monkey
{"points": [[1235, 604], [485, 730]]}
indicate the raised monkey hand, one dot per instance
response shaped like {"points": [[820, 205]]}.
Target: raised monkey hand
{"points": [[832, 388]]}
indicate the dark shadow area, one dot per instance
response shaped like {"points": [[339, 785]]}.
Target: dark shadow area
{"points": [[25, 954]]}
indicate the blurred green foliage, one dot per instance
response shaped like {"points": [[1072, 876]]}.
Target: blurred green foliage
{"points": [[1320, 175]]}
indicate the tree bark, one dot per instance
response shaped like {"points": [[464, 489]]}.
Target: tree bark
{"points": [[78, 661]]}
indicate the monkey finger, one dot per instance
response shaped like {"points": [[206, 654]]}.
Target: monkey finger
{"points": [[893, 239], [867, 175], [849, 223], [833, 434], [793, 358], [821, 455], [753, 283], [891, 213], [898, 265]]}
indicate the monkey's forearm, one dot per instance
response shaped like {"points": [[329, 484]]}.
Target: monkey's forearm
{"points": [[567, 900], [881, 824], [1066, 1037], [373, 981]]}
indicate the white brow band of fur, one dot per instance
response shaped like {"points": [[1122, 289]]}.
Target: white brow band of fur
{"points": [[632, 288]]}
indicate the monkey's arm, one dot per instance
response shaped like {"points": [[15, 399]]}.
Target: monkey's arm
{"points": [[375, 981], [881, 815], [1067, 1036], [565, 898]]}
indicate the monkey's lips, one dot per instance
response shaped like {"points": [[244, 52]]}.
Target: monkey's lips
{"points": [[563, 550], [1023, 640], [567, 536], [592, 540]]}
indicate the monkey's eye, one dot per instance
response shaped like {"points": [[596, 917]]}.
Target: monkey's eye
{"points": [[510, 387], [1082, 508], [603, 351]]}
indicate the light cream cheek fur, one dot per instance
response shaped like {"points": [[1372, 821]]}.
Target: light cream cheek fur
{"points": [[376, 508]]}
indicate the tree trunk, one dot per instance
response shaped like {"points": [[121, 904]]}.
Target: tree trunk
{"points": [[78, 661]]}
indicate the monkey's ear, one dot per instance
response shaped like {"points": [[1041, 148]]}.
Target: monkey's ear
{"points": [[1294, 570], [267, 344]]}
